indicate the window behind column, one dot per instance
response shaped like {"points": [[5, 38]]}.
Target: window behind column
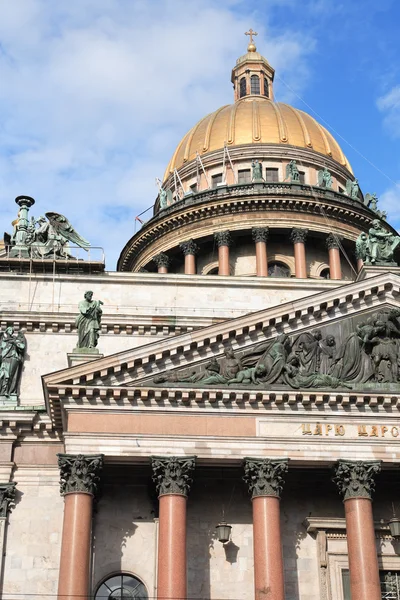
{"points": [[216, 180], [271, 175], [121, 586], [390, 584], [302, 176]]}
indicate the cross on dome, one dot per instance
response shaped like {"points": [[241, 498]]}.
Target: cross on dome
{"points": [[251, 47]]}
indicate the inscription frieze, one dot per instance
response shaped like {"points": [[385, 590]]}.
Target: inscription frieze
{"points": [[323, 430]]}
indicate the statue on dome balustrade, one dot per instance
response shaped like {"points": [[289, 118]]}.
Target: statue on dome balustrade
{"points": [[163, 199], [256, 170], [378, 247], [352, 188], [292, 172], [324, 178], [371, 201], [12, 353]]}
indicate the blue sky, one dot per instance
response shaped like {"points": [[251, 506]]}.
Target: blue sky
{"points": [[95, 94]]}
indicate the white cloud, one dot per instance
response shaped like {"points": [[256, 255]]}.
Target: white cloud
{"points": [[96, 94], [390, 202], [389, 105]]}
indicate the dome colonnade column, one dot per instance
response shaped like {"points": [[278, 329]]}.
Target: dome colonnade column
{"points": [[335, 267], [224, 241], [163, 262], [189, 249], [173, 477], [265, 479], [298, 237], [355, 480], [260, 237], [79, 478]]}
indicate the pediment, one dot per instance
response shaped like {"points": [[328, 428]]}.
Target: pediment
{"points": [[178, 362]]}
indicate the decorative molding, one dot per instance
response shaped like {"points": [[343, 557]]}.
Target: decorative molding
{"points": [[355, 479], [162, 260], [173, 474], [298, 236], [7, 498], [79, 473], [189, 247], [260, 234], [265, 477], [223, 238], [332, 241]]}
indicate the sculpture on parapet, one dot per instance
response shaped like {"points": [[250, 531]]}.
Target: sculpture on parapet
{"points": [[352, 188], [88, 322], [292, 172], [12, 353], [324, 178], [256, 170], [47, 237], [371, 201], [378, 247], [163, 199]]}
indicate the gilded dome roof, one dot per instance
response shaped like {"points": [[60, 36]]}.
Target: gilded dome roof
{"points": [[255, 120]]}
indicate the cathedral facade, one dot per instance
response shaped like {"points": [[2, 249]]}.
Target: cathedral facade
{"points": [[217, 419]]}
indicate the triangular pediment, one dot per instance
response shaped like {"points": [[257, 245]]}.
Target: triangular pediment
{"points": [[169, 363]]}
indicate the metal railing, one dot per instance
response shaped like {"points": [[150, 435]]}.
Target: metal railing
{"points": [[390, 585]]}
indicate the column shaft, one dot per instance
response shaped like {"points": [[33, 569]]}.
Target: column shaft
{"points": [[363, 561], [75, 546], [223, 260], [162, 269], [171, 582], [190, 264], [335, 268], [300, 260], [261, 259], [268, 560]]}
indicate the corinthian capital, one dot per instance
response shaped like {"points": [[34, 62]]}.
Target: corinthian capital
{"points": [[265, 477], [298, 236], [189, 247], [7, 497], [355, 479], [79, 473], [173, 474], [162, 260], [260, 234], [332, 241], [223, 238]]}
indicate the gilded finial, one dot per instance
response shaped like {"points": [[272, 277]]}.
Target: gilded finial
{"points": [[251, 47]]}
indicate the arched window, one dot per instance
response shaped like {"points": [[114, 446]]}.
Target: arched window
{"points": [[325, 273], [266, 87], [255, 84], [278, 269], [243, 87], [120, 587]]}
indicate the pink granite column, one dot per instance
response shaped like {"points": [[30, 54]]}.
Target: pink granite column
{"points": [[335, 267], [223, 241], [298, 237], [162, 261], [265, 480], [260, 237], [189, 249], [172, 476], [355, 481], [79, 479]]}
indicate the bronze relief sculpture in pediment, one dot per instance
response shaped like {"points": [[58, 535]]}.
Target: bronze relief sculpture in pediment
{"points": [[350, 354]]}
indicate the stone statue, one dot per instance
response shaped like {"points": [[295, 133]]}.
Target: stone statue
{"points": [[45, 238], [292, 172], [297, 379], [88, 321], [325, 178], [352, 188], [328, 354], [307, 349], [12, 351], [163, 199], [256, 171], [249, 375], [379, 247]]}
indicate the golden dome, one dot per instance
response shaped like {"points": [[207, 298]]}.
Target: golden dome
{"points": [[255, 120]]}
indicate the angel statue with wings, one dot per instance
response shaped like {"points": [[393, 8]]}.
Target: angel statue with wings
{"points": [[45, 237]]}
